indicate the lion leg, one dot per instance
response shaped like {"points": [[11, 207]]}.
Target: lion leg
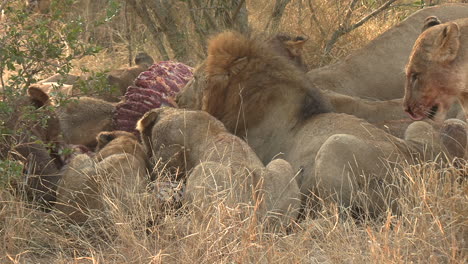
{"points": [[352, 172], [281, 193], [271, 194], [421, 132], [77, 191], [210, 188], [454, 137], [451, 138]]}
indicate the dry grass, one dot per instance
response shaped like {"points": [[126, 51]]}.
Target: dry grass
{"points": [[431, 228]]}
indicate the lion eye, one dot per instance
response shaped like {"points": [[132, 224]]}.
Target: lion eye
{"points": [[414, 77]]}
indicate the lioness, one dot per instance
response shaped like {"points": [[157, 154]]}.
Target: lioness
{"points": [[33, 142], [375, 70], [125, 77], [118, 169], [437, 71], [82, 119], [221, 166], [264, 98]]}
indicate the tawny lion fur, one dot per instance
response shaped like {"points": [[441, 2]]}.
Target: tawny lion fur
{"points": [[79, 120], [124, 77], [82, 119], [259, 95], [437, 71], [385, 114], [118, 169], [221, 166]]}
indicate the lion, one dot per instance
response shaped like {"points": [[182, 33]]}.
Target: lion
{"points": [[125, 77], [190, 97], [68, 79], [436, 73], [78, 120], [34, 142], [269, 101], [291, 47], [119, 167], [220, 166], [82, 119], [121, 79], [285, 45], [376, 70], [386, 114]]}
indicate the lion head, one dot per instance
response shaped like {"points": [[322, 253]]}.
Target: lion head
{"points": [[435, 73]]}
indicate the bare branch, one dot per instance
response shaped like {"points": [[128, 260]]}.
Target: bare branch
{"points": [[371, 15], [128, 35], [314, 18], [344, 28], [206, 15], [199, 30], [236, 12], [275, 18], [349, 12], [2, 5], [166, 15]]}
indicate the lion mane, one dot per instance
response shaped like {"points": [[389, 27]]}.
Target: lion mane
{"points": [[240, 69]]}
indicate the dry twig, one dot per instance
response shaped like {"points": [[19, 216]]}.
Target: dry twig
{"points": [[344, 28]]}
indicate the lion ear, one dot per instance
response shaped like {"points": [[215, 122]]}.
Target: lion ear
{"points": [[430, 22], [146, 123], [143, 58], [296, 45], [38, 96], [148, 120], [238, 65], [447, 44], [104, 138]]}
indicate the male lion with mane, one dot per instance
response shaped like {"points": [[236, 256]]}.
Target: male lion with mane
{"points": [[260, 95]]}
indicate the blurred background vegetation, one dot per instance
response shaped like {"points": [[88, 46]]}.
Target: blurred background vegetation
{"points": [[179, 29]]}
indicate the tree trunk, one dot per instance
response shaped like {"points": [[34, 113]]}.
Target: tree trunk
{"points": [[275, 19], [175, 34], [147, 19]]}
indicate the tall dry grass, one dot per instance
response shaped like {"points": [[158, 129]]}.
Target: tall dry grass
{"points": [[432, 227]]}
